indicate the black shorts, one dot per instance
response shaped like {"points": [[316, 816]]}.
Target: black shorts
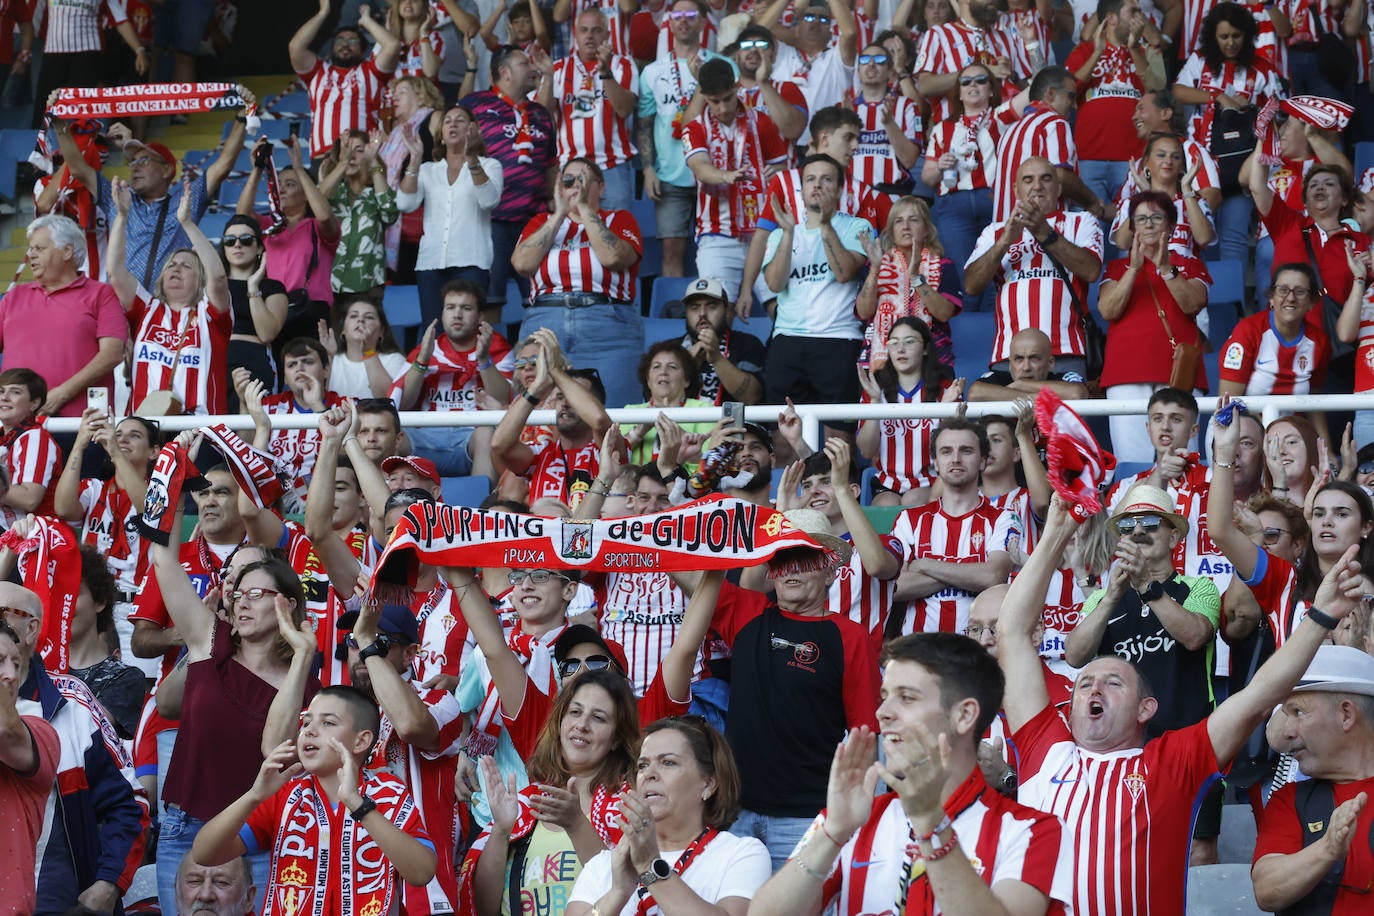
{"points": [[812, 370]]}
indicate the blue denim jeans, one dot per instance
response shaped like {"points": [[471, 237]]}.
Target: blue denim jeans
{"points": [[780, 834], [961, 216], [177, 832], [446, 446], [607, 338], [1104, 177], [505, 235], [1235, 231], [620, 187]]}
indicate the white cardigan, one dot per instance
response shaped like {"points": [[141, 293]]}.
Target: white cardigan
{"points": [[457, 229]]}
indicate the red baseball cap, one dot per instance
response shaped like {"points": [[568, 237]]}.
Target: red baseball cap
{"points": [[422, 466], [157, 149]]}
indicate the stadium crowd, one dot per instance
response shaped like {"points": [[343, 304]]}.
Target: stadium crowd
{"points": [[1007, 693]]}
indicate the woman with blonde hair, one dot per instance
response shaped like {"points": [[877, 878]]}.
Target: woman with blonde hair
{"points": [[415, 103], [909, 276]]}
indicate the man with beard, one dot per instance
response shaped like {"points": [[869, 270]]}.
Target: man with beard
{"points": [[346, 91], [824, 72], [946, 49], [755, 52], [731, 362], [1020, 255], [565, 467]]}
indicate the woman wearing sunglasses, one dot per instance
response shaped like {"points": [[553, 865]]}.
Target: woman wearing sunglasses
{"points": [[258, 302]]}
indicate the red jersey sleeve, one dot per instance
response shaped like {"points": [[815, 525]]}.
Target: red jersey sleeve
{"points": [[525, 726], [736, 607], [1238, 354], [1034, 739], [1281, 218], [624, 224], [776, 189], [862, 681], [791, 94], [1077, 58], [261, 826], [875, 208], [694, 139], [774, 146], [533, 226], [149, 605], [657, 704]]}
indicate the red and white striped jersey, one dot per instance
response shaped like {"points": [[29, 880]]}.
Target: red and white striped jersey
{"points": [[31, 456], [412, 59], [751, 143], [1007, 20], [183, 350], [642, 612], [1183, 242], [1063, 609], [571, 265], [874, 161], [857, 199], [444, 644], [617, 22], [1364, 356], [951, 47], [296, 449], [1255, 84], [109, 525], [1040, 132], [563, 475], [1003, 841], [77, 25], [1030, 293], [429, 775], [904, 457], [342, 99], [927, 532], [588, 125], [451, 379], [973, 140], [1265, 363], [1018, 500], [1306, 32], [1267, 45], [321, 598], [866, 600], [1129, 813]]}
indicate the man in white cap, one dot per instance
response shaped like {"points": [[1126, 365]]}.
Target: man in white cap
{"points": [[1316, 838], [1158, 620], [730, 362]]}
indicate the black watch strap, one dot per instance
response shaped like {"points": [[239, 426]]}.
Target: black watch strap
{"points": [[366, 807]]}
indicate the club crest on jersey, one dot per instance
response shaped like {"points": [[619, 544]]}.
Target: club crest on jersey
{"points": [[976, 539], [1135, 784]]}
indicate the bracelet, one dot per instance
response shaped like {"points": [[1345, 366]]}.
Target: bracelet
{"points": [[347, 439], [829, 837], [412, 174], [377, 170], [484, 366], [364, 809], [1321, 619], [419, 367], [594, 490], [606, 75], [368, 354], [1278, 489], [257, 295], [1050, 239], [807, 868], [1229, 465], [939, 852], [533, 401], [1032, 45]]}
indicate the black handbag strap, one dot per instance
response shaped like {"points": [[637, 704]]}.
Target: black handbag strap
{"points": [[1079, 305], [1312, 259], [157, 241], [314, 255]]}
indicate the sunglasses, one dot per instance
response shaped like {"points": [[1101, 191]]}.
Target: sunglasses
{"points": [[815, 17], [1365, 467], [571, 180], [252, 594], [537, 576], [879, 59], [570, 666], [684, 14], [522, 362], [384, 641], [755, 44], [1271, 535], [980, 80], [234, 241], [1147, 523]]}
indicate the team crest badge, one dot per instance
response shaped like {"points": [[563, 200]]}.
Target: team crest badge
{"points": [[577, 541], [1135, 784]]}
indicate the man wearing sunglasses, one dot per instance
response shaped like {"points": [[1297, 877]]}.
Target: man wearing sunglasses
{"points": [[810, 55], [1150, 615], [893, 136], [754, 54], [947, 49]]}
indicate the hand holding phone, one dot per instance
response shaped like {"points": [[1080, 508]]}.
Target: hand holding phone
{"points": [[98, 399]]}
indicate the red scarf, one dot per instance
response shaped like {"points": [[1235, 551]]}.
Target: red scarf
{"points": [[742, 151], [894, 268], [50, 564], [524, 140], [535, 655], [915, 896], [149, 99], [113, 499], [252, 468], [646, 903]]}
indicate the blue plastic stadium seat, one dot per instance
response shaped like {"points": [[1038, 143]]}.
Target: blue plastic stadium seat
{"points": [[656, 329], [402, 306], [666, 289]]}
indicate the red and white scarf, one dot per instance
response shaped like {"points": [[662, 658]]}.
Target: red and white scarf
{"points": [[894, 267], [646, 905], [50, 565], [535, 654], [150, 99], [253, 469], [524, 139], [738, 148], [173, 471], [1078, 466]]}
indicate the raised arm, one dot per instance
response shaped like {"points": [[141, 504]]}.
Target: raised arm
{"points": [[216, 280], [507, 674], [325, 220], [877, 560], [340, 564], [122, 282], [298, 48], [696, 620], [233, 145], [388, 45]]}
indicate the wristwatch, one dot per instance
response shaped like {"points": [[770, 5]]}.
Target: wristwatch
{"points": [[657, 871], [377, 649], [1154, 592]]}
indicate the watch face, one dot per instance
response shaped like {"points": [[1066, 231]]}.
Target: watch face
{"points": [[661, 868]]}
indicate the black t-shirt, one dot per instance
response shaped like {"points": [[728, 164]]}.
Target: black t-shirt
{"points": [[746, 351], [797, 684], [238, 297]]}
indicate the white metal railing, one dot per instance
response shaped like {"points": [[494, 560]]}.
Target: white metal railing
{"points": [[812, 415]]}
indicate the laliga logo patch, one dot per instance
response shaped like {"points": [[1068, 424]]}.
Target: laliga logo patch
{"points": [[577, 541], [155, 503]]}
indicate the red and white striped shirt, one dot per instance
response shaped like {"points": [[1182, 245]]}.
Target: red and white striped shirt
{"points": [[874, 161], [563, 475], [185, 350], [110, 526], [429, 775], [451, 380], [1040, 132], [752, 143], [571, 265], [412, 59], [1002, 839], [1364, 356], [444, 644], [865, 599], [1030, 293], [1063, 609], [857, 199], [904, 457], [927, 532], [642, 612], [951, 47], [973, 140], [588, 125], [322, 599], [1128, 814], [296, 449], [1255, 85], [1265, 363], [73, 26], [1018, 500], [31, 456], [342, 99]]}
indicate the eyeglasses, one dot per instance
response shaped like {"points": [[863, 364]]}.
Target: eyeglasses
{"points": [[1147, 523], [142, 161], [234, 241], [879, 59], [1271, 535], [252, 594], [570, 666], [1297, 292], [1148, 219], [894, 343], [570, 180], [755, 44], [684, 14], [973, 631], [17, 612], [980, 80], [815, 17], [352, 40], [536, 576]]}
